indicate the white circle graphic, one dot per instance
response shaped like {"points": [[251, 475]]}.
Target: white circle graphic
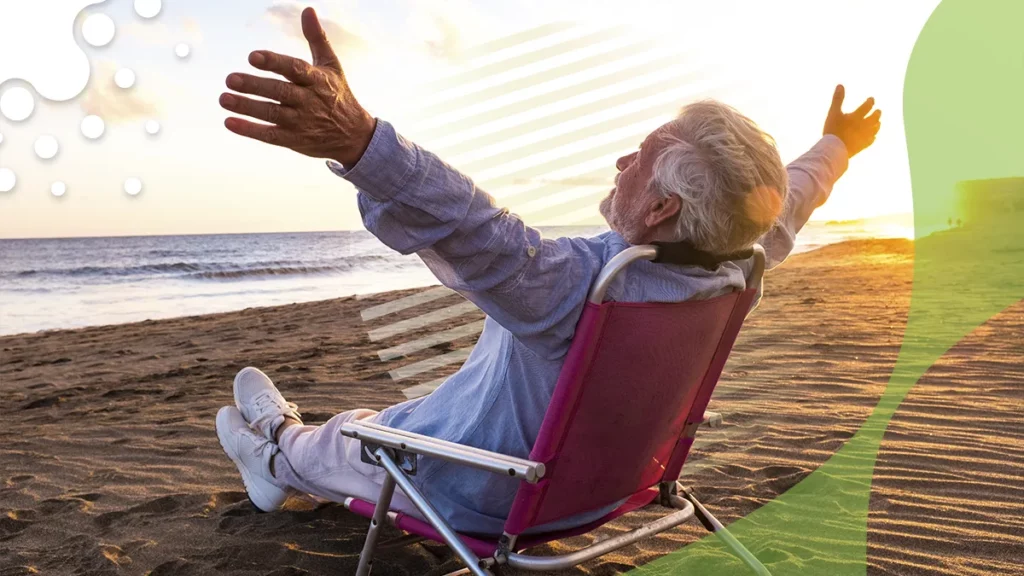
{"points": [[17, 104], [93, 127], [124, 78], [133, 186], [7, 180], [98, 30], [47, 147], [147, 8]]}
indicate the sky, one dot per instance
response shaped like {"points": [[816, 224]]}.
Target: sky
{"points": [[536, 120]]}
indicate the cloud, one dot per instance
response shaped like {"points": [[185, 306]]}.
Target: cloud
{"points": [[193, 31], [158, 33], [114, 104], [445, 28], [286, 16], [448, 43]]}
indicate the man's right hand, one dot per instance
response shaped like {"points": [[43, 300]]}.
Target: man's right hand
{"points": [[857, 130], [313, 113]]}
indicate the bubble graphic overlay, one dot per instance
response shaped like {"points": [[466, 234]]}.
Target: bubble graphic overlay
{"points": [[147, 8], [133, 186], [49, 57], [152, 127], [17, 104], [124, 78], [93, 127], [58, 189], [98, 30], [7, 180], [47, 147], [182, 51]]}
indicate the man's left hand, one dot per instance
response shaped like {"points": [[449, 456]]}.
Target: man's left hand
{"points": [[858, 128]]}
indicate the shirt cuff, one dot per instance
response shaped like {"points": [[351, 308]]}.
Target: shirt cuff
{"points": [[834, 150], [385, 165]]}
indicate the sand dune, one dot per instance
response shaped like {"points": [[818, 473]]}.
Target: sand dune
{"points": [[110, 464]]}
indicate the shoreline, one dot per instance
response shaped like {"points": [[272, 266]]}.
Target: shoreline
{"points": [[358, 296]]}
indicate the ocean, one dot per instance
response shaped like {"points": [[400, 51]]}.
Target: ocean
{"points": [[60, 283]]}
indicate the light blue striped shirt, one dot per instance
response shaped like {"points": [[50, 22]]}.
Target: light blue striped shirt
{"points": [[533, 290]]}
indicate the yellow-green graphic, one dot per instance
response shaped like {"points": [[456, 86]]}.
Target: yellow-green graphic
{"points": [[963, 100]]}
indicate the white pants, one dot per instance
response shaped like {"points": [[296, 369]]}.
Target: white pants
{"points": [[319, 461]]}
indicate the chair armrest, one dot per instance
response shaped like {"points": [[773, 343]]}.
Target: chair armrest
{"points": [[449, 451]]}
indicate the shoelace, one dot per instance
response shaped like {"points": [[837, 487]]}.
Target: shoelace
{"points": [[266, 451], [270, 409], [267, 400]]}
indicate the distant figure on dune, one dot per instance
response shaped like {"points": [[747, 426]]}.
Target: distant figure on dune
{"points": [[710, 177]]}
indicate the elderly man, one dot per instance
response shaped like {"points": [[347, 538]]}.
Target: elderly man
{"points": [[710, 177]]}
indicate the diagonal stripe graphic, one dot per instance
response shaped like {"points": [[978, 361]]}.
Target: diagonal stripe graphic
{"points": [[528, 59], [533, 123], [519, 38], [645, 90], [427, 319], [450, 335], [429, 364], [588, 154], [419, 390], [405, 303], [475, 97], [596, 129]]}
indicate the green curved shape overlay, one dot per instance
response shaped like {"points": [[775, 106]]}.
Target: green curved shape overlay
{"points": [[963, 94]]}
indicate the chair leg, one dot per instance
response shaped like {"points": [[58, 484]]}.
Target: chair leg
{"points": [[713, 525], [427, 510], [380, 513]]}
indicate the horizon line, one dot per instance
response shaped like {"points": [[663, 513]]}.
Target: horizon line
{"points": [[269, 232]]}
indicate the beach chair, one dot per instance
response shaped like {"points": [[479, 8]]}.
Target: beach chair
{"points": [[629, 400]]}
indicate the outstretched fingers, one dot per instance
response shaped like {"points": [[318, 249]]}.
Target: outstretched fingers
{"points": [[259, 109], [264, 133], [837, 101], [297, 71], [864, 108], [319, 45], [271, 88]]}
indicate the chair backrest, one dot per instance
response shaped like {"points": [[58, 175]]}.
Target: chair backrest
{"points": [[629, 398]]}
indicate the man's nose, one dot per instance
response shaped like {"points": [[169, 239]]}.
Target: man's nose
{"points": [[623, 162]]}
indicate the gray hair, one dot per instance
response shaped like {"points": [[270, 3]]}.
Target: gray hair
{"points": [[728, 173]]}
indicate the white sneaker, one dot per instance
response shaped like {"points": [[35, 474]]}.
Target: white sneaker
{"points": [[251, 453], [260, 402]]}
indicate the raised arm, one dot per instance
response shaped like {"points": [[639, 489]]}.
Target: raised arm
{"points": [[415, 203], [410, 199], [812, 176]]}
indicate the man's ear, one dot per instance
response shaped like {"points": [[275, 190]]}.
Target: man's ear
{"points": [[663, 209]]}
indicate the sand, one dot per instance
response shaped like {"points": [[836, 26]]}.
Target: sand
{"points": [[110, 465]]}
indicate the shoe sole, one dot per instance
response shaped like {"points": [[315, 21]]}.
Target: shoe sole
{"points": [[250, 489]]}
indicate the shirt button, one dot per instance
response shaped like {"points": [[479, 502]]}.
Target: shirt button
{"points": [[531, 251]]}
